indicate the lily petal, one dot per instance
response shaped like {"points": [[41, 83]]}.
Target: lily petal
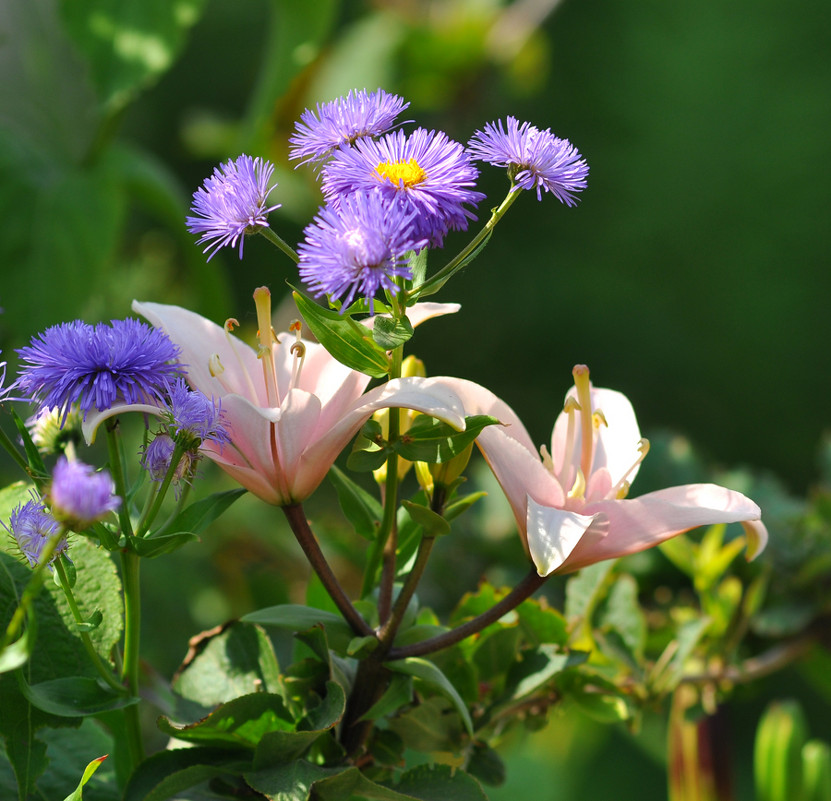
{"points": [[553, 534], [89, 426]]}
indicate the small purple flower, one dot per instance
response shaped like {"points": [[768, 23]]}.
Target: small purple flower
{"points": [[157, 457], [195, 415], [95, 366], [79, 495], [359, 247], [534, 159], [232, 203], [32, 527], [343, 122], [432, 174]]}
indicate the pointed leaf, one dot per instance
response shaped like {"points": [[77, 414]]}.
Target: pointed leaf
{"points": [[349, 342], [434, 524], [72, 697], [294, 617], [151, 547], [89, 770], [389, 333], [362, 510], [428, 440], [198, 516]]}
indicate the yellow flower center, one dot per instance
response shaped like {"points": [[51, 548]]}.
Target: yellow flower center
{"points": [[397, 172]]}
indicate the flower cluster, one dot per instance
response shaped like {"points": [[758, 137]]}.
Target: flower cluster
{"points": [[33, 529]]}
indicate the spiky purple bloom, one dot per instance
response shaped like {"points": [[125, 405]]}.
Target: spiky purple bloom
{"points": [[534, 159], [157, 457], [359, 247], [32, 527], [343, 122], [80, 495], [194, 415], [232, 203], [431, 174], [95, 366]]}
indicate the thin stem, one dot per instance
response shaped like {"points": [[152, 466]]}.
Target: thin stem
{"points": [[117, 473], [150, 514], [388, 520], [280, 243], [15, 453], [527, 587], [130, 565], [104, 671], [436, 282], [306, 539]]}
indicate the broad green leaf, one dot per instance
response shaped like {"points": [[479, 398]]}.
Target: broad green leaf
{"points": [[398, 693], [361, 508], [623, 614], [293, 617], [242, 722], [428, 440], [170, 772], [346, 340], [431, 675], [429, 726], [77, 795], [418, 267], [486, 765], [198, 516], [128, 43], [73, 696], [238, 660], [536, 668], [365, 461], [541, 623], [496, 650], [389, 333], [584, 591]]}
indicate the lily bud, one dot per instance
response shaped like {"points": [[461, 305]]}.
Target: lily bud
{"points": [[777, 759]]}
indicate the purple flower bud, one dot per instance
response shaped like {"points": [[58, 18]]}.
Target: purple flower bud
{"points": [[32, 527], [79, 495]]}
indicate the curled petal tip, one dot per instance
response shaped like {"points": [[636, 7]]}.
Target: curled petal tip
{"points": [[757, 538]]}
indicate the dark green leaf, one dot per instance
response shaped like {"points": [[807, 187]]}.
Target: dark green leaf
{"points": [[624, 615], [439, 783], [434, 525], [293, 617], [171, 772], [389, 333], [542, 624], [399, 692], [428, 440], [366, 461], [486, 765], [430, 674], [33, 456], [198, 516], [537, 667], [92, 622], [348, 341], [361, 509], [150, 547], [72, 697]]}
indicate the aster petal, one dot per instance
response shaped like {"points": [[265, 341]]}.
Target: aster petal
{"points": [[640, 523], [553, 534]]}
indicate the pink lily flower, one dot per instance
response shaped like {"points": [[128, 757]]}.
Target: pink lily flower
{"points": [[570, 502], [289, 407]]}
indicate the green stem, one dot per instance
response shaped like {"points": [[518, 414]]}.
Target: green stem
{"points": [[31, 590], [527, 587], [104, 671], [280, 243], [130, 565], [14, 453], [390, 501], [150, 515], [306, 539], [117, 473], [436, 282]]}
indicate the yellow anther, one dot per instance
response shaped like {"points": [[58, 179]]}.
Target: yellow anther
{"points": [[231, 323], [599, 419], [215, 367], [579, 488], [547, 461]]}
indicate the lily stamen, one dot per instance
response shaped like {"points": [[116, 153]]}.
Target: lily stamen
{"points": [[298, 350], [265, 348], [621, 489], [230, 324], [583, 387]]}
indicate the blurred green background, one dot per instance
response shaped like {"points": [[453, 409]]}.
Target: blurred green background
{"points": [[693, 275]]}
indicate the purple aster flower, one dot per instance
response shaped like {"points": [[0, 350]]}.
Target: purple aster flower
{"points": [[195, 415], [342, 122], [533, 158], [432, 174], [32, 527], [232, 203], [359, 246], [79, 495], [95, 366]]}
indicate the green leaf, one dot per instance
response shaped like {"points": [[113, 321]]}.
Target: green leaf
{"points": [[390, 333], [241, 723], [429, 726], [73, 696], [440, 782], [434, 524], [361, 509], [32, 453], [399, 692], [624, 615], [365, 461], [237, 660], [486, 765], [77, 795], [428, 440], [171, 772], [294, 617], [198, 516], [153, 546], [496, 650], [418, 267], [128, 43], [431, 675], [584, 591], [541, 623], [348, 341], [92, 622], [536, 668]]}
